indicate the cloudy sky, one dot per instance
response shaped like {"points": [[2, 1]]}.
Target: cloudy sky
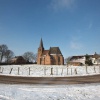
{"points": [[73, 25]]}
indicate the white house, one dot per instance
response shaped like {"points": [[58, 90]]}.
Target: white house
{"points": [[80, 59]]}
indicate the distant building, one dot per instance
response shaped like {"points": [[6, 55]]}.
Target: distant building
{"points": [[53, 56], [77, 60], [96, 59], [80, 60], [18, 60]]}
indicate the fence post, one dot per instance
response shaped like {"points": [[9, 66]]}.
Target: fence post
{"points": [[29, 70], [51, 71], [10, 70], [0, 70], [75, 71], [18, 70], [67, 70], [86, 70], [62, 71], [71, 71], [94, 70]]}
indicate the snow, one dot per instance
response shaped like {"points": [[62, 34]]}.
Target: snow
{"points": [[50, 92], [45, 70]]}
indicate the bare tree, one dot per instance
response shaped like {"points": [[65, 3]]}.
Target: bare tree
{"points": [[28, 56], [8, 55], [67, 60], [3, 49]]}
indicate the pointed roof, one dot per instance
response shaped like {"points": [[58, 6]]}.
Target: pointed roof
{"points": [[55, 50], [41, 43]]}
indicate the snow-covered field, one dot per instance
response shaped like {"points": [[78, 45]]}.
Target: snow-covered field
{"points": [[48, 70], [54, 92], [49, 92]]}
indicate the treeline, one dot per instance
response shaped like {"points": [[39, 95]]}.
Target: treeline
{"points": [[7, 56], [30, 57]]}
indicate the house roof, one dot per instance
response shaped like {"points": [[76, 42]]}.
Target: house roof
{"points": [[55, 50], [17, 57], [96, 55], [76, 57]]}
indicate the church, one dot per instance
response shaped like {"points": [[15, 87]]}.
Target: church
{"points": [[53, 56]]}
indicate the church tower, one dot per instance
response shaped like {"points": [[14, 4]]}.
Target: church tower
{"points": [[40, 51]]}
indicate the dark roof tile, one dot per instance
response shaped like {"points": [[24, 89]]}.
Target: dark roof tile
{"points": [[55, 50]]}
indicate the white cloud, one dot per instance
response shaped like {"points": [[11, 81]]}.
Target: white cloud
{"points": [[61, 4]]}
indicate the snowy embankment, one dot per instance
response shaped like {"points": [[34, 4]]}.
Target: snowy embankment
{"points": [[48, 70], [49, 92], [45, 92]]}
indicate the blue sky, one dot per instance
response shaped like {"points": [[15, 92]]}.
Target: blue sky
{"points": [[73, 25]]}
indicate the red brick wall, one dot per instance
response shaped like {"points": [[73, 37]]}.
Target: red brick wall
{"points": [[57, 59]]}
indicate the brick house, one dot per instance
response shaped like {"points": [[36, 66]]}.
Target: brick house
{"points": [[53, 56], [17, 60]]}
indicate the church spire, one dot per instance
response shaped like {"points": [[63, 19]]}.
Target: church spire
{"points": [[41, 44]]}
